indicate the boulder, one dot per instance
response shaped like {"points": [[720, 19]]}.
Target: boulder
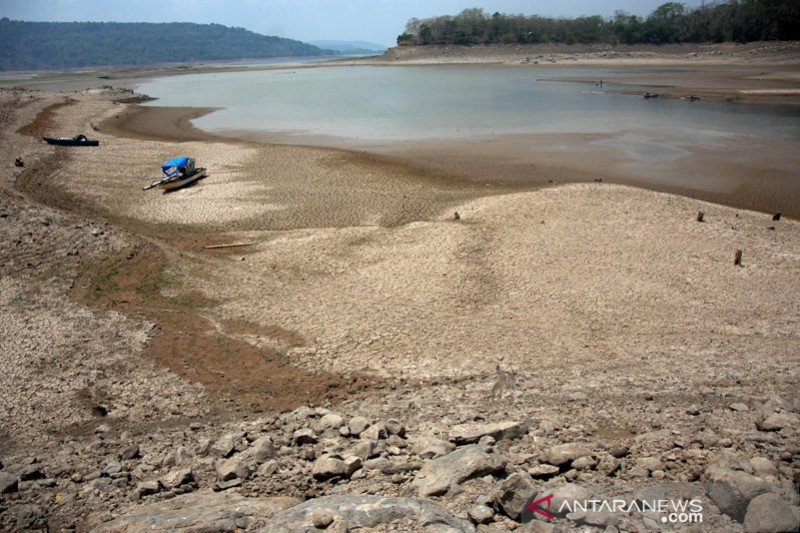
{"points": [[732, 490], [769, 513], [354, 513], [441, 474], [201, 511]]}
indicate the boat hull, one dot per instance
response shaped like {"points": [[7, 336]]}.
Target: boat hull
{"points": [[171, 185], [63, 141]]}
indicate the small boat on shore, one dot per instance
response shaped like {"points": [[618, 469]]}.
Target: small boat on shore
{"points": [[172, 184], [178, 172], [78, 140]]}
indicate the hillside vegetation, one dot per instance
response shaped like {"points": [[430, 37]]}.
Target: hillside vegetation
{"points": [[734, 20], [57, 45]]}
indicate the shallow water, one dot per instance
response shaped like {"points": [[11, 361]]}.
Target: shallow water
{"points": [[364, 105]]}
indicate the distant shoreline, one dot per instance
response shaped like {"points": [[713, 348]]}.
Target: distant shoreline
{"points": [[765, 72]]}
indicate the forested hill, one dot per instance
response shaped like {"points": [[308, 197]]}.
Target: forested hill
{"points": [[731, 20], [58, 45]]}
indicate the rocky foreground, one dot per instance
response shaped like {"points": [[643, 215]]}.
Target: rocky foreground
{"points": [[314, 468]]}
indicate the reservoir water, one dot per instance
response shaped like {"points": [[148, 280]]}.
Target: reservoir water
{"points": [[378, 104]]}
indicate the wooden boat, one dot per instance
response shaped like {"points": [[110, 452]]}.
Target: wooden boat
{"points": [[178, 172], [170, 184], [78, 140]]}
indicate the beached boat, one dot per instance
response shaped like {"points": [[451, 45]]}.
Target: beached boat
{"points": [[78, 140], [181, 181], [178, 172]]}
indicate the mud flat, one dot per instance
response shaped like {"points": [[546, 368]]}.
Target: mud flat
{"points": [[587, 340]]}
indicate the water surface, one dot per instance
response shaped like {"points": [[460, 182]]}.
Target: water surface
{"points": [[378, 104]]}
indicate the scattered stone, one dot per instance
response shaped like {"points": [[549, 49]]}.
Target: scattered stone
{"points": [[329, 467], [770, 513], [481, 514], [176, 478], [739, 407], [31, 472], [778, 421], [304, 436], [472, 433], [131, 452], [693, 410], [566, 453], [330, 421], [351, 465], [352, 513], [763, 467], [235, 467], [515, 492], [394, 427], [543, 471], [268, 469], [263, 449], [362, 449], [357, 425], [427, 447], [441, 474], [220, 486], [200, 511], [584, 463], [146, 488], [619, 450], [224, 446], [566, 492]]}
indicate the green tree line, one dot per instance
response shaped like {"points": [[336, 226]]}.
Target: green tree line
{"points": [[58, 45], [672, 22]]}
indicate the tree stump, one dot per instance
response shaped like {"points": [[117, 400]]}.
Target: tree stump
{"points": [[737, 260]]}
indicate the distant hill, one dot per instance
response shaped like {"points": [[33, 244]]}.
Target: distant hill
{"points": [[351, 47], [59, 45]]}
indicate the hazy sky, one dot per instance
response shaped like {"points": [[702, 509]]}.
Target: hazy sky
{"points": [[378, 21]]}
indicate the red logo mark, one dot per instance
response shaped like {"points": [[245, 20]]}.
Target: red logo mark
{"points": [[533, 507]]}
